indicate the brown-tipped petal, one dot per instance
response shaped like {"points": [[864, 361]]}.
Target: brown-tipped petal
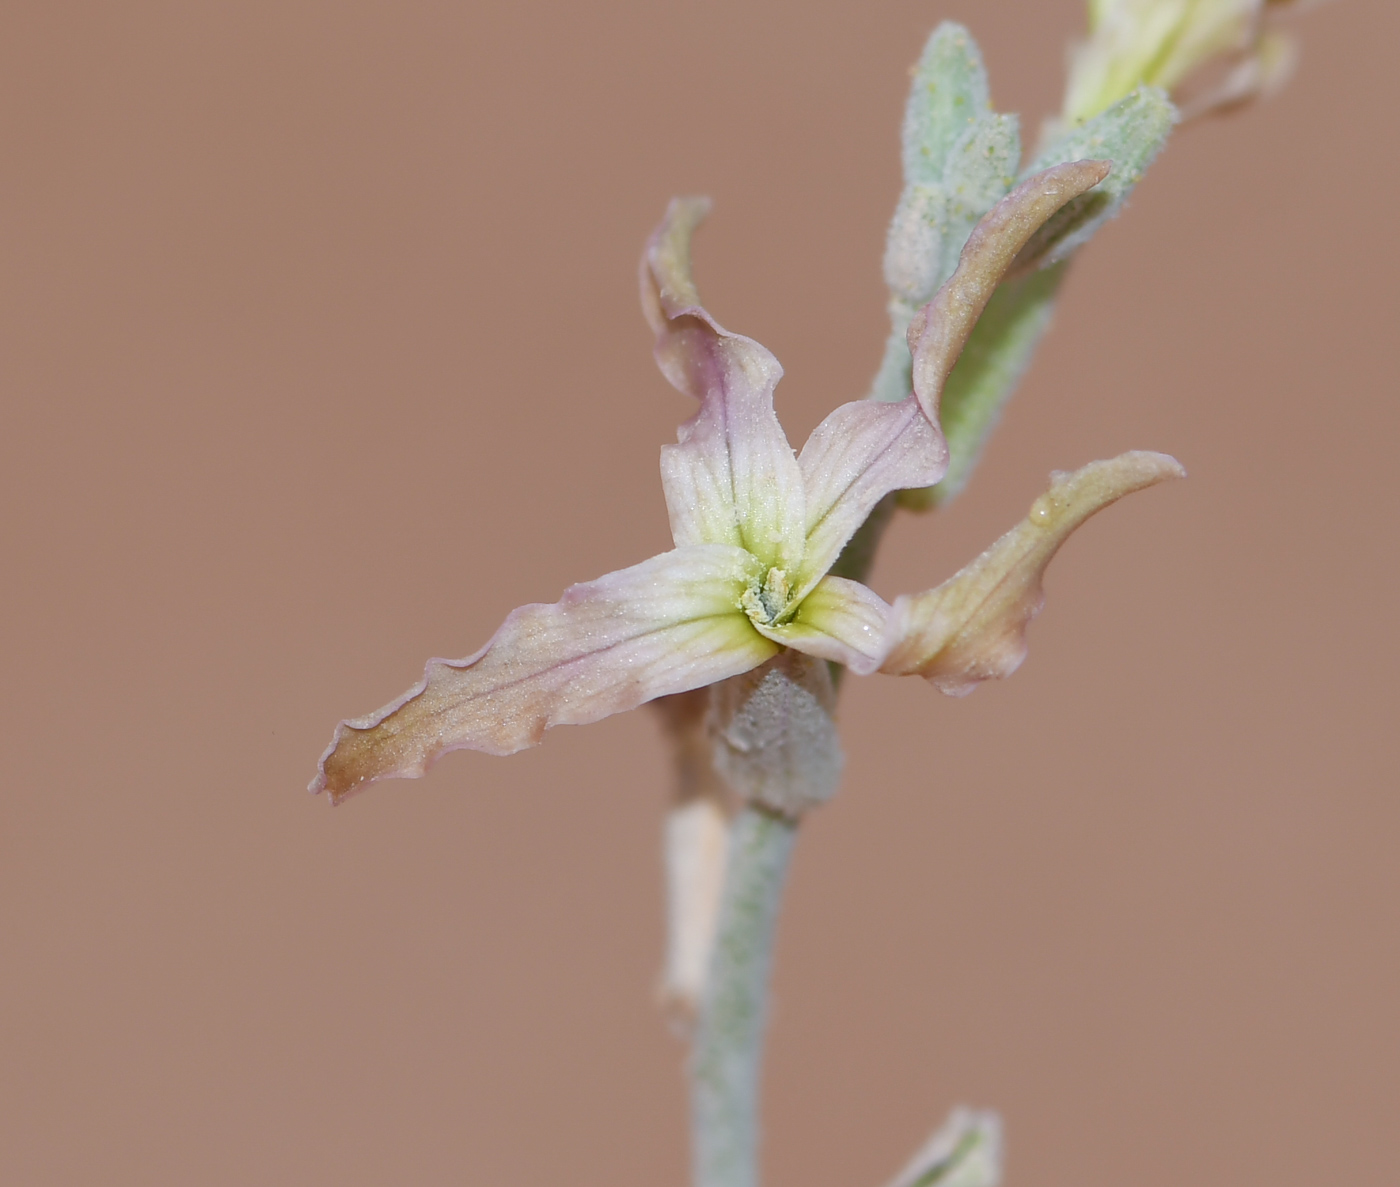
{"points": [[732, 479], [852, 460], [841, 621], [670, 624], [973, 626], [940, 329]]}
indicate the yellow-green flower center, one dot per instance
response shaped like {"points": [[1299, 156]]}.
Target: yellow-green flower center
{"points": [[767, 604]]}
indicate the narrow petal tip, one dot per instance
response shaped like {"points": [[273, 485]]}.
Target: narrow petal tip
{"points": [[1073, 497], [973, 626], [668, 287]]}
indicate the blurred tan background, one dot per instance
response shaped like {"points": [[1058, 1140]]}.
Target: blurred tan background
{"points": [[321, 351]]}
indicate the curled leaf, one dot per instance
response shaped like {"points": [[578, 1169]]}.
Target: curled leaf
{"points": [[973, 626]]}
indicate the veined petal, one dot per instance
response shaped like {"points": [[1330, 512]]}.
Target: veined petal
{"points": [[669, 624], [863, 451], [973, 626], [732, 479], [839, 620], [940, 329], [852, 460]]}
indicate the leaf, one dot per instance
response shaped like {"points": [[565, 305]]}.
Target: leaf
{"points": [[948, 94], [1130, 134], [960, 159]]}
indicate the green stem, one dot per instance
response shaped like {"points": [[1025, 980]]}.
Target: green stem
{"points": [[729, 1039]]}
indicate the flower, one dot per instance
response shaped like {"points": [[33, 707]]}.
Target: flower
{"points": [[1165, 43], [756, 529]]}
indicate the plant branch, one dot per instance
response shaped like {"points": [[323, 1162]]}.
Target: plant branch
{"points": [[729, 1041]]}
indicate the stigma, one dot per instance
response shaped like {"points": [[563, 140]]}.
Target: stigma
{"points": [[767, 604]]}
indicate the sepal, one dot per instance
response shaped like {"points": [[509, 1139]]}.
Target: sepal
{"points": [[775, 737]]}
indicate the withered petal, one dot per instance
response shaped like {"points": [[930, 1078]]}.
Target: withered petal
{"points": [[669, 624]]}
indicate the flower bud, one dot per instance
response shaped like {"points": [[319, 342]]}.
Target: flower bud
{"points": [[1166, 43]]}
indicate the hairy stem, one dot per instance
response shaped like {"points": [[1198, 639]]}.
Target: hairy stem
{"points": [[729, 1040]]}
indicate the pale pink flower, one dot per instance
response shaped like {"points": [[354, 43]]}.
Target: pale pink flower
{"points": [[756, 529]]}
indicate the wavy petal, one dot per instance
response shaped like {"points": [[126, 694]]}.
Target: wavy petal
{"points": [[940, 329], [840, 620], [973, 626], [669, 624], [852, 460], [732, 479]]}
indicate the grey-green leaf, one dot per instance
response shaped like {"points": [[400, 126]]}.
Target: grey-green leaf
{"points": [[980, 171], [1130, 134], [960, 159], [915, 248], [949, 93], [934, 218]]}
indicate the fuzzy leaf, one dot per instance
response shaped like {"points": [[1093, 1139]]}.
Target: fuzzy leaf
{"points": [[1130, 134], [960, 158], [981, 171], [948, 94]]}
